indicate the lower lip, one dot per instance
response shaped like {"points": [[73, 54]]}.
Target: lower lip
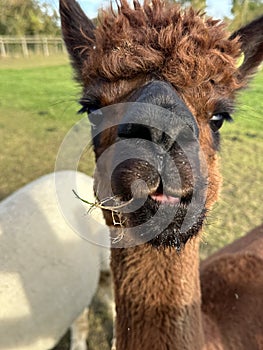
{"points": [[164, 199]]}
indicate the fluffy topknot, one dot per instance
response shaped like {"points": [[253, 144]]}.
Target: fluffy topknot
{"points": [[161, 40]]}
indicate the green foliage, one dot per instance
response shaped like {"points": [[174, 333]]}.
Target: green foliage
{"points": [[199, 4], [27, 17], [196, 4], [244, 11]]}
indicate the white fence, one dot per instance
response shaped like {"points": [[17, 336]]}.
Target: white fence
{"points": [[25, 46]]}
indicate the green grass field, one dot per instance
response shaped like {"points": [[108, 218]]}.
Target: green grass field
{"points": [[38, 106]]}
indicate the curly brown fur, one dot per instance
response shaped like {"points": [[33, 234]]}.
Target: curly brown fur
{"points": [[161, 41]]}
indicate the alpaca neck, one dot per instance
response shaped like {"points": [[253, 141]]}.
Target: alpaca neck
{"points": [[157, 295]]}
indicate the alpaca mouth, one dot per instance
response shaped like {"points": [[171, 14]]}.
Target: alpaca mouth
{"points": [[165, 199], [158, 193], [160, 197], [160, 212], [169, 229]]}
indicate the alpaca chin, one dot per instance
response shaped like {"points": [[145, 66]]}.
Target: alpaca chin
{"points": [[172, 236], [162, 224]]}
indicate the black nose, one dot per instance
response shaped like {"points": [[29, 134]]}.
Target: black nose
{"points": [[159, 115]]}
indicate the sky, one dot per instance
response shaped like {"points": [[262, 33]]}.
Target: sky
{"points": [[215, 8]]}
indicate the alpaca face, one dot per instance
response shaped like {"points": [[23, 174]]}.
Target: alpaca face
{"points": [[158, 84], [152, 156]]}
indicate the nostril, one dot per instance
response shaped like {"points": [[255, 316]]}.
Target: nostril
{"points": [[130, 130]]}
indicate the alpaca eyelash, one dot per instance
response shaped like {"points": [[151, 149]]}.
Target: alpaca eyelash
{"points": [[94, 112], [225, 107], [225, 116], [88, 107], [83, 110]]}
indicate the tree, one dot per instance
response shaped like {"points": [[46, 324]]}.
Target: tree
{"points": [[27, 17], [244, 11], [199, 4], [196, 4]]}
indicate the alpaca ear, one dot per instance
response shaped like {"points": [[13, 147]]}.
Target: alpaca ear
{"points": [[251, 38], [77, 30]]}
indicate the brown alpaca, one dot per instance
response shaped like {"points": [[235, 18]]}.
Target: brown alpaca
{"points": [[181, 67]]}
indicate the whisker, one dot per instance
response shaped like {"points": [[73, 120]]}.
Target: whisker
{"points": [[101, 205], [59, 102]]}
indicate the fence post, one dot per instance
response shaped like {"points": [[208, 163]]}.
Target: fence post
{"points": [[45, 47], [2, 48], [24, 47], [63, 47]]}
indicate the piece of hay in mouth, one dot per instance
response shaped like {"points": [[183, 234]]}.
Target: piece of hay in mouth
{"points": [[114, 212]]}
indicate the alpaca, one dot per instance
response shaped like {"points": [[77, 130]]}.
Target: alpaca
{"points": [[48, 273], [158, 83]]}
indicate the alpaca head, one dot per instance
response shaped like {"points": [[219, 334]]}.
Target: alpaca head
{"points": [[158, 83]]}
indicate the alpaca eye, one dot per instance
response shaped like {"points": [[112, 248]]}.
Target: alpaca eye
{"points": [[218, 119]]}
